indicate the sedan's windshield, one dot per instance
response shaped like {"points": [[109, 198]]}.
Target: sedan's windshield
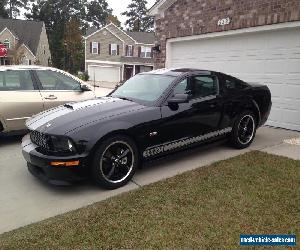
{"points": [[146, 88]]}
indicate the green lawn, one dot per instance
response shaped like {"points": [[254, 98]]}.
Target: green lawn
{"points": [[208, 208]]}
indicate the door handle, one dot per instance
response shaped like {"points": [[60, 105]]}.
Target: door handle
{"points": [[51, 97]]}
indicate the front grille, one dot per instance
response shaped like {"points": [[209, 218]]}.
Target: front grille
{"points": [[40, 139]]}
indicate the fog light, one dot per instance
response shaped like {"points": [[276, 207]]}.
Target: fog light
{"points": [[64, 163]]}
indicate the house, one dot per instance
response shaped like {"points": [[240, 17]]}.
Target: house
{"points": [[257, 41], [113, 55], [27, 42]]}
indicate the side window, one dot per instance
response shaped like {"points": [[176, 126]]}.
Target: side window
{"points": [[182, 87], [51, 80], [232, 83], [14, 80], [203, 86]]}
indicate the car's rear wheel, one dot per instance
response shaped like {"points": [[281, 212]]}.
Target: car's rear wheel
{"points": [[115, 162], [244, 130]]}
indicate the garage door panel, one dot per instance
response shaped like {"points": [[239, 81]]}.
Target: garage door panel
{"points": [[271, 58], [104, 73]]}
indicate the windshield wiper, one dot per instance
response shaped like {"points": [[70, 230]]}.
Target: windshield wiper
{"points": [[124, 98]]}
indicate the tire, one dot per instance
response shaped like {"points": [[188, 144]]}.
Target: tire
{"points": [[115, 162], [244, 130]]}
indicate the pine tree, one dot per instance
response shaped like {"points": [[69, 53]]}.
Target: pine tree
{"points": [[13, 7], [113, 19], [98, 12], [137, 18], [74, 49], [3, 10]]}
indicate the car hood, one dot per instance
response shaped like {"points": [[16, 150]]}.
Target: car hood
{"points": [[65, 118]]}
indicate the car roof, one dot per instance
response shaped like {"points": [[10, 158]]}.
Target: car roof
{"points": [[178, 71], [25, 67], [36, 67]]}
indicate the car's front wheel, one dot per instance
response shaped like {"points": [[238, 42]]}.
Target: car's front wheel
{"points": [[244, 130], [115, 162]]}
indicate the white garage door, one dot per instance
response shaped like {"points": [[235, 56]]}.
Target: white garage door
{"points": [[104, 74], [268, 57]]}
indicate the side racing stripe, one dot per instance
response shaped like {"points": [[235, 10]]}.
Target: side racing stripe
{"points": [[169, 146]]}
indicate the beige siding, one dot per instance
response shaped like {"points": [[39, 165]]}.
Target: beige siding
{"points": [[104, 37], [23, 51], [109, 35], [43, 52], [8, 35], [120, 34]]}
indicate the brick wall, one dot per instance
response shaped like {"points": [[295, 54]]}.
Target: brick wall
{"points": [[195, 17]]}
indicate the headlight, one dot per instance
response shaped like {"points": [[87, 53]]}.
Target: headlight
{"points": [[62, 144]]}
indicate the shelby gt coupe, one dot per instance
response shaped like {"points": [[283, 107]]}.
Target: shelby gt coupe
{"points": [[150, 115]]}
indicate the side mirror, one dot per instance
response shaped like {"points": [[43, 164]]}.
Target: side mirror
{"points": [[179, 98], [85, 88]]}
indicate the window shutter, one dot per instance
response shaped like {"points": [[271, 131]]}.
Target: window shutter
{"points": [[139, 51], [91, 47], [132, 52], [118, 49], [126, 50], [152, 52], [109, 47], [99, 48]]}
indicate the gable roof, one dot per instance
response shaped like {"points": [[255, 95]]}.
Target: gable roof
{"points": [[160, 6], [142, 37], [26, 31], [90, 31], [137, 37]]}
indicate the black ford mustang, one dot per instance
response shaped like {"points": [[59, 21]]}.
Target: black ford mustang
{"points": [[150, 115]]}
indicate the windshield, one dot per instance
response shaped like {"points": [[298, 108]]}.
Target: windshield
{"points": [[146, 88]]}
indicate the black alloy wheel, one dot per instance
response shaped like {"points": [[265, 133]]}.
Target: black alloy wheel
{"points": [[115, 162], [244, 130]]}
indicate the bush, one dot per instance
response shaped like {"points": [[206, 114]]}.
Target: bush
{"points": [[84, 76]]}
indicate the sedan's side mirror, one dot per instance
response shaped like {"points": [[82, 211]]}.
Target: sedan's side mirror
{"points": [[179, 98], [85, 88]]}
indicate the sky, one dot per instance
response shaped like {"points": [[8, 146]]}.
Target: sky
{"points": [[120, 6]]}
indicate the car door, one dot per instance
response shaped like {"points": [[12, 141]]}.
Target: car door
{"points": [[57, 88], [19, 98], [199, 118]]}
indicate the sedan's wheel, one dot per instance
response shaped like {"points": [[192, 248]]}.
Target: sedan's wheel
{"points": [[115, 162], [244, 130]]}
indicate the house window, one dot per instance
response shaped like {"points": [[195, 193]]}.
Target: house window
{"points": [[146, 52], [129, 51], [114, 49], [95, 48], [7, 43]]}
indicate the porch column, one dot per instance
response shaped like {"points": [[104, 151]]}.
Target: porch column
{"points": [[133, 70]]}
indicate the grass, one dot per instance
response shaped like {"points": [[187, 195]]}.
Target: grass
{"points": [[255, 193]]}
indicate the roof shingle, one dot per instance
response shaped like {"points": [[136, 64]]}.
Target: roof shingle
{"points": [[28, 32], [142, 37]]}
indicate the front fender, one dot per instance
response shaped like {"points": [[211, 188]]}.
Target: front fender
{"points": [[92, 134]]}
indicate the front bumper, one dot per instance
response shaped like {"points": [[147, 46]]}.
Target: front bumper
{"points": [[39, 165]]}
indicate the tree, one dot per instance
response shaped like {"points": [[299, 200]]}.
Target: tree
{"points": [[57, 16], [3, 10], [98, 12], [13, 7], [73, 44], [113, 19], [137, 18]]}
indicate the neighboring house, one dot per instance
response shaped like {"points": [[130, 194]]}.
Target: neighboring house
{"points": [[27, 42], [257, 41], [113, 55]]}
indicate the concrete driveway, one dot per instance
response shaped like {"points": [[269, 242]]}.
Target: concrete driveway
{"points": [[25, 200]]}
